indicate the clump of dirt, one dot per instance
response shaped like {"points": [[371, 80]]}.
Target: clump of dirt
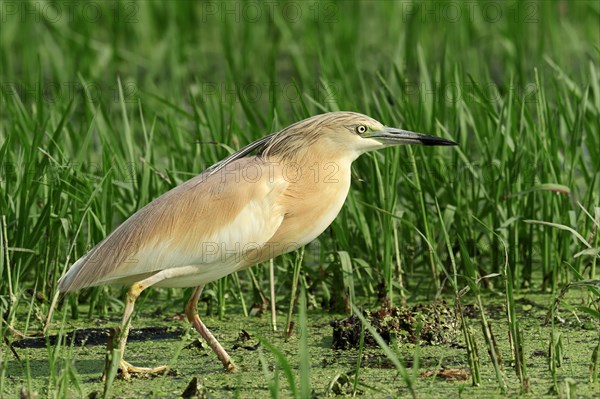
{"points": [[242, 338], [448, 374], [400, 325]]}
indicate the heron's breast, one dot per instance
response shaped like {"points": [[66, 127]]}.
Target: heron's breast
{"points": [[310, 207]]}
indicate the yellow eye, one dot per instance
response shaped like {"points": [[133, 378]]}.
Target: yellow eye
{"points": [[360, 129]]}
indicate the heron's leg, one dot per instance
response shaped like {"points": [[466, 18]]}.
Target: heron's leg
{"points": [[133, 293], [191, 311], [125, 367]]}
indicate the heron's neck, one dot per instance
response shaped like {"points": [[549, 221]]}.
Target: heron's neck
{"points": [[312, 155]]}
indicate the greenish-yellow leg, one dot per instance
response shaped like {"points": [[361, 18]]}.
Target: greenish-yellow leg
{"points": [[133, 293], [126, 368]]}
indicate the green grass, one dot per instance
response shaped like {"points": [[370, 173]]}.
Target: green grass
{"points": [[105, 107]]}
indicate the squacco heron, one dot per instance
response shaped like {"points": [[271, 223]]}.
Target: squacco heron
{"points": [[239, 212]]}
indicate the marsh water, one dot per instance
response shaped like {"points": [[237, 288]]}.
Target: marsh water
{"points": [[164, 337]]}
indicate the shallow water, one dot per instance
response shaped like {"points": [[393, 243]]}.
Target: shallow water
{"points": [[168, 339]]}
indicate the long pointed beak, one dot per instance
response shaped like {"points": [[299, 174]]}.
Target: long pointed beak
{"points": [[393, 136]]}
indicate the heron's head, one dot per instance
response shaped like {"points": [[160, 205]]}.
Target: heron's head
{"points": [[346, 133]]}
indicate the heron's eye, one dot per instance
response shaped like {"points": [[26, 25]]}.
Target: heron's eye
{"points": [[360, 129]]}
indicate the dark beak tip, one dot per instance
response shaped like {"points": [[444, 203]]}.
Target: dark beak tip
{"points": [[440, 142], [400, 136]]}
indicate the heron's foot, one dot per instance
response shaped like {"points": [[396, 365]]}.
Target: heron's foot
{"points": [[230, 367], [126, 369]]}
